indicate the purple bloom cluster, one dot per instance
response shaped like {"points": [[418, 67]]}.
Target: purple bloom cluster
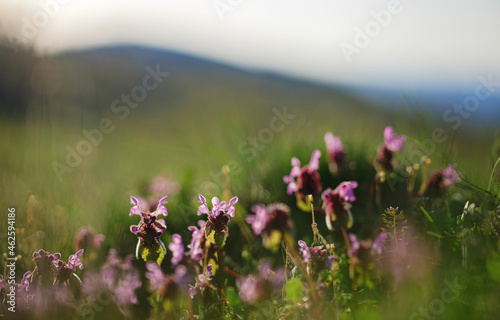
{"points": [[202, 280], [197, 241], [442, 179], [304, 181], [260, 286], [337, 203], [385, 157], [177, 249], [335, 152], [316, 258], [169, 286], [272, 222], [216, 228], [150, 227], [362, 251], [51, 270], [117, 278], [86, 238]]}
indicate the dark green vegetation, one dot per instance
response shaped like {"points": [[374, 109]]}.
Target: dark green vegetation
{"points": [[200, 119]]}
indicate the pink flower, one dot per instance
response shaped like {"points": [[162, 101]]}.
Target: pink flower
{"points": [[307, 177]]}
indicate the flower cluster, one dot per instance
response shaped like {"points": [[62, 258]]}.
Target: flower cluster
{"points": [[202, 281], [272, 222], [116, 278], [304, 181], [442, 179], [149, 230], [335, 152], [385, 158], [167, 286], [316, 258], [260, 286], [216, 228], [51, 270], [337, 203]]}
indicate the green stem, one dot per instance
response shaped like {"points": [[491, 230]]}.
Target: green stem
{"points": [[222, 295]]}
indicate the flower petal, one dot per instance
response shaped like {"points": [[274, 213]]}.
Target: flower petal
{"points": [[314, 162]]}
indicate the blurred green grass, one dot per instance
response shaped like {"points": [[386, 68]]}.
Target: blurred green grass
{"points": [[191, 145]]}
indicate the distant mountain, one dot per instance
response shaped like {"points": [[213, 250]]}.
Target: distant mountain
{"points": [[89, 82]]}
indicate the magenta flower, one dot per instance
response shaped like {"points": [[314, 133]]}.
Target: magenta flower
{"points": [[272, 222], [335, 152], [450, 175], [195, 251], [316, 258], [393, 142], [168, 286], [304, 181], [360, 250], [161, 185], [150, 228], [202, 280], [260, 286], [86, 238], [304, 250], [337, 203], [216, 228], [441, 179], [46, 267], [385, 158], [117, 278], [177, 249]]}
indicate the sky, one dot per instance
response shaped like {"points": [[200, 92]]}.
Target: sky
{"points": [[449, 43]]}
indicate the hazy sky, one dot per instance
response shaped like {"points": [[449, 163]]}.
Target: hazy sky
{"points": [[442, 43]]}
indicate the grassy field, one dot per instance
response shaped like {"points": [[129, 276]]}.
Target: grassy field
{"points": [[191, 145], [221, 132]]}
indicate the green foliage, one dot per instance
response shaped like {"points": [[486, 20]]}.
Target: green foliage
{"points": [[394, 223], [294, 288], [156, 252]]}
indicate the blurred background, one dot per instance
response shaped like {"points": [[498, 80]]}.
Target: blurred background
{"points": [[99, 97]]}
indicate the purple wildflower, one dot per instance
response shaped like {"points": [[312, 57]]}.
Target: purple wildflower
{"points": [[450, 175], [161, 185], [393, 142], [202, 281], [272, 222], [364, 250], [316, 258], [308, 181], [337, 203], [150, 228], [67, 270], [260, 286], [195, 251], [117, 278], [177, 249], [335, 152], [442, 179], [216, 228], [46, 267], [168, 286], [86, 238], [385, 158], [304, 249]]}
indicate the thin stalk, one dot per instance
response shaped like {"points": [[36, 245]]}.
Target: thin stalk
{"points": [[222, 290], [312, 287]]}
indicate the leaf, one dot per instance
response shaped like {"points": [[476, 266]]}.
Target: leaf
{"points": [[293, 290], [156, 252], [232, 297], [435, 234]]}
